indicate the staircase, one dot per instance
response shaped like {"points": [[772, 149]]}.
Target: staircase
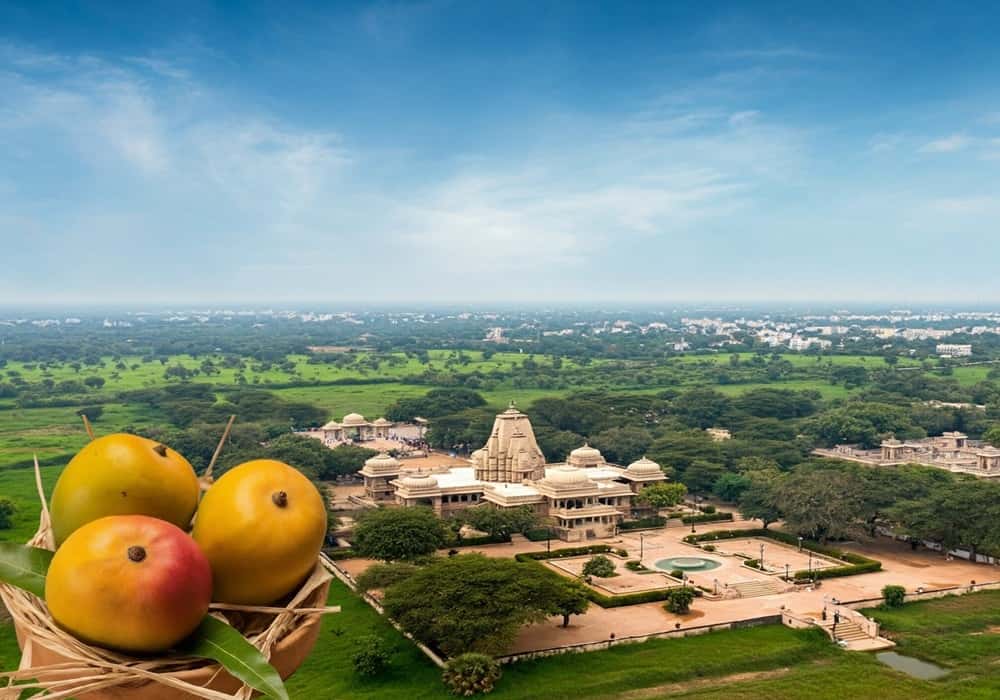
{"points": [[757, 588], [848, 631]]}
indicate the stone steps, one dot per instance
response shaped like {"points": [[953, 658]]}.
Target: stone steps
{"points": [[755, 589]]}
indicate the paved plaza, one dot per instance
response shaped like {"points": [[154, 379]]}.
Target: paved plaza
{"points": [[900, 566]]}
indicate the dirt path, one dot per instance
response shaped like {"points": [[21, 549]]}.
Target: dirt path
{"points": [[670, 688]]}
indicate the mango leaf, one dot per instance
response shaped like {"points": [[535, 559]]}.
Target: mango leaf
{"points": [[24, 567], [216, 640]]}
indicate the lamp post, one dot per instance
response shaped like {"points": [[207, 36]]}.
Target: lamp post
{"points": [[642, 545], [762, 556], [786, 571], [810, 564], [800, 543], [715, 585]]}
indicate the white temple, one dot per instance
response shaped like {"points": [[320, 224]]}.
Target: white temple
{"points": [[583, 497]]}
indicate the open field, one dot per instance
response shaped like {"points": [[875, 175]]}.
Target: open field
{"points": [[770, 661]]}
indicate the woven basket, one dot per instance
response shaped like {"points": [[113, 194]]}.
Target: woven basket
{"points": [[64, 667]]}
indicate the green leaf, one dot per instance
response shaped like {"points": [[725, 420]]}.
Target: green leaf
{"points": [[220, 642], [24, 567]]}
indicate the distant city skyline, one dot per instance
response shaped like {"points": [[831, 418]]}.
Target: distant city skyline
{"points": [[483, 153]]}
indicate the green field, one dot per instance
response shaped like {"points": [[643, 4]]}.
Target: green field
{"points": [[770, 661]]}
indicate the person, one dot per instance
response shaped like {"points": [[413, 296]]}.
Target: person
{"points": [[836, 617]]}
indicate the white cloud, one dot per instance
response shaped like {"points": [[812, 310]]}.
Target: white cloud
{"points": [[948, 144]]}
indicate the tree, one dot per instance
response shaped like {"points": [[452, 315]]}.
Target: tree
{"points": [[398, 534], [600, 566], [701, 476], [371, 655], [384, 575], [894, 596], [500, 523], [960, 514], [679, 600], [94, 382], [759, 500], [663, 495], [471, 602], [622, 445], [821, 503], [7, 511], [729, 487], [571, 598], [471, 674], [992, 436]]}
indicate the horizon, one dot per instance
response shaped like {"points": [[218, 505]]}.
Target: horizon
{"points": [[465, 153]]}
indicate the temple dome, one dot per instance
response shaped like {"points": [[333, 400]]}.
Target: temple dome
{"points": [[382, 421], [644, 466], [586, 453], [382, 461], [418, 481], [353, 419], [566, 476]]}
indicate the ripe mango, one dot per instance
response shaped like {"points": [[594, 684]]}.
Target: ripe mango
{"points": [[123, 474], [129, 582], [261, 525]]}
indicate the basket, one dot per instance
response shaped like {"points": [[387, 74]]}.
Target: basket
{"points": [[64, 667]]}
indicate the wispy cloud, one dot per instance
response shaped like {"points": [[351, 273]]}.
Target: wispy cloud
{"points": [[949, 144]]}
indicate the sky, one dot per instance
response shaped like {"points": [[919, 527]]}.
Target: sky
{"points": [[499, 151]]}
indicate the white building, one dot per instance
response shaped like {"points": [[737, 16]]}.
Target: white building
{"points": [[953, 350]]}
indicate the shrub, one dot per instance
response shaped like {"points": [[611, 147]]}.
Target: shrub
{"points": [[894, 596], [708, 509], [371, 656], [709, 547], [634, 565], [599, 566], [7, 510], [707, 518], [621, 552], [677, 573], [471, 674], [643, 523], [539, 534], [679, 600], [564, 552]]}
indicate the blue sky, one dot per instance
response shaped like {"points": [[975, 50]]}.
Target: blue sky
{"points": [[466, 151]]}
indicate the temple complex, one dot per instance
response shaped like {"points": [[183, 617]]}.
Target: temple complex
{"points": [[583, 497], [953, 451]]}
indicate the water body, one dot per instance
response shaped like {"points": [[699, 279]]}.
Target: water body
{"points": [[910, 666], [687, 564]]}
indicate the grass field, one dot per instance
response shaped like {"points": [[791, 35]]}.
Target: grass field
{"points": [[771, 661]]}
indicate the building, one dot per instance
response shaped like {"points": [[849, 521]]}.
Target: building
{"points": [[719, 434], [583, 497], [953, 350], [953, 451], [354, 428]]}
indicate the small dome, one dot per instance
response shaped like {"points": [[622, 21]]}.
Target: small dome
{"points": [[566, 476], [418, 481], [382, 461], [353, 419], [382, 421], [586, 452], [644, 466], [332, 425]]}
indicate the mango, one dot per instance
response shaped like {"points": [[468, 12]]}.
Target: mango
{"points": [[261, 525], [129, 582], [123, 474]]}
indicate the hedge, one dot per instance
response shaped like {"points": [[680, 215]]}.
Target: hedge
{"points": [[706, 518], [643, 523], [857, 564], [478, 541], [336, 554], [540, 534], [564, 552]]}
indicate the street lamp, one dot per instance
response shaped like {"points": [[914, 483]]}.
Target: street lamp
{"points": [[762, 556], [810, 563], [786, 571], [642, 545], [800, 543], [715, 585]]}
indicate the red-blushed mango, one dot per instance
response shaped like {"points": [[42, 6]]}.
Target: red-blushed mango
{"points": [[123, 474], [129, 582], [262, 526]]}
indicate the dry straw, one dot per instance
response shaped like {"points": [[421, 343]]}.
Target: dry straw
{"points": [[61, 666]]}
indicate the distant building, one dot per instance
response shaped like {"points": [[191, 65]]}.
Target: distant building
{"points": [[719, 434], [953, 350], [952, 451]]}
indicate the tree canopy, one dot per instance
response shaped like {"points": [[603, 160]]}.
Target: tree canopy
{"points": [[398, 534]]}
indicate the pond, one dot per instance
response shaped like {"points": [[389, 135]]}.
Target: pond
{"points": [[910, 666], [687, 563]]}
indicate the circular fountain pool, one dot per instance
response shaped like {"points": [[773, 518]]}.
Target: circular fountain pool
{"points": [[687, 564]]}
